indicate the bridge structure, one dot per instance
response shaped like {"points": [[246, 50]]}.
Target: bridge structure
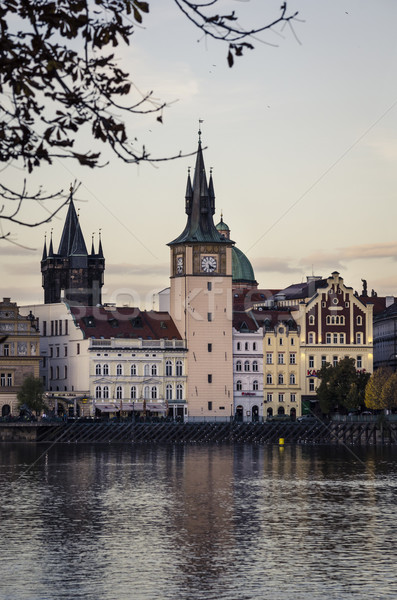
{"points": [[96, 432]]}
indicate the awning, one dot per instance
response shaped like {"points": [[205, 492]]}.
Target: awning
{"points": [[131, 406], [107, 407], [156, 407]]}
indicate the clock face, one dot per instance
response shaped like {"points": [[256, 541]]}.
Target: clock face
{"points": [[208, 264], [179, 264]]}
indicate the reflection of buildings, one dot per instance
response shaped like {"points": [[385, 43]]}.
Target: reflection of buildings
{"points": [[19, 353]]}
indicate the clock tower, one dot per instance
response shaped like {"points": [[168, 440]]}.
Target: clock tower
{"points": [[201, 299]]}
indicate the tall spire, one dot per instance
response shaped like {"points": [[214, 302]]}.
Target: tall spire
{"points": [[45, 248], [199, 206], [100, 251], [50, 249], [92, 246], [69, 229]]}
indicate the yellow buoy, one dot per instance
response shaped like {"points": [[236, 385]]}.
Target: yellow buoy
{"points": [[281, 442]]}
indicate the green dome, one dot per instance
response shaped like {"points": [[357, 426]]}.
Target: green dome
{"points": [[242, 270], [222, 226]]}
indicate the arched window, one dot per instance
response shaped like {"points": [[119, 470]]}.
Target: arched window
{"points": [[311, 320], [292, 379], [105, 391], [98, 370], [146, 370], [168, 391], [359, 320], [168, 368], [280, 379], [238, 365], [238, 345], [255, 385], [119, 392], [119, 370], [146, 392], [239, 386], [154, 392], [105, 369], [269, 378], [133, 392], [255, 366], [246, 346], [133, 369], [179, 391], [154, 369], [254, 346], [311, 338], [98, 392], [178, 368], [246, 365]]}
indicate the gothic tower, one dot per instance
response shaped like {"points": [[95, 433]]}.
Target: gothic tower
{"points": [[72, 274], [201, 299]]}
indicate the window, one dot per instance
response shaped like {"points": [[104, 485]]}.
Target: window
{"points": [[255, 366], [311, 385], [238, 345], [105, 392], [56, 327], [51, 351], [246, 365], [44, 328], [98, 392], [209, 378], [133, 392], [65, 350], [269, 358], [6, 350], [311, 362], [292, 341], [328, 338], [154, 392], [51, 373], [209, 317], [65, 372], [209, 347], [133, 369], [359, 362], [293, 397], [255, 385], [254, 346], [57, 372], [311, 320], [105, 370], [292, 379], [359, 338], [269, 378], [335, 361], [119, 369], [239, 386], [146, 392], [311, 338], [179, 391], [281, 398], [281, 341], [238, 365], [66, 327], [168, 368], [341, 338], [78, 348], [292, 358], [335, 338], [280, 359], [146, 370], [98, 370], [52, 327], [269, 397], [119, 392], [179, 368], [359, 320], [9, 379], [323, 361], [209, 286], [209, 405], [154, 369], [168, 391], [269, 341], [280, 379], [60, 327], [246, 346]]}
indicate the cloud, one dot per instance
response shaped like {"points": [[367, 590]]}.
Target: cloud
{"points": [[140, 270], [337, 258], [274, 265]]}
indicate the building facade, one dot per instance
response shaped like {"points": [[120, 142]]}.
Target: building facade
{"points": [[19, 353]]}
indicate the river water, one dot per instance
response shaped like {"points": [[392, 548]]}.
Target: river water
{"points": [[197, 522]]}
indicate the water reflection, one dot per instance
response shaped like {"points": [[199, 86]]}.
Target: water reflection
{"points": [[188, 522]]}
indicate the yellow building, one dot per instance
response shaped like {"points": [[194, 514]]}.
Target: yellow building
{"points": [[19, 353]]}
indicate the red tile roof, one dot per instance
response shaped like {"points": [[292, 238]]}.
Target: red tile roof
{"points": [[124, 322]]}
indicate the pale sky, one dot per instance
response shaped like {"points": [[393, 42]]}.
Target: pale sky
{"points": [[301, 134]]}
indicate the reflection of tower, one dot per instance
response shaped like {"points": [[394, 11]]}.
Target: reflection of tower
{"points": [[72, 274], [201, 299]]}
